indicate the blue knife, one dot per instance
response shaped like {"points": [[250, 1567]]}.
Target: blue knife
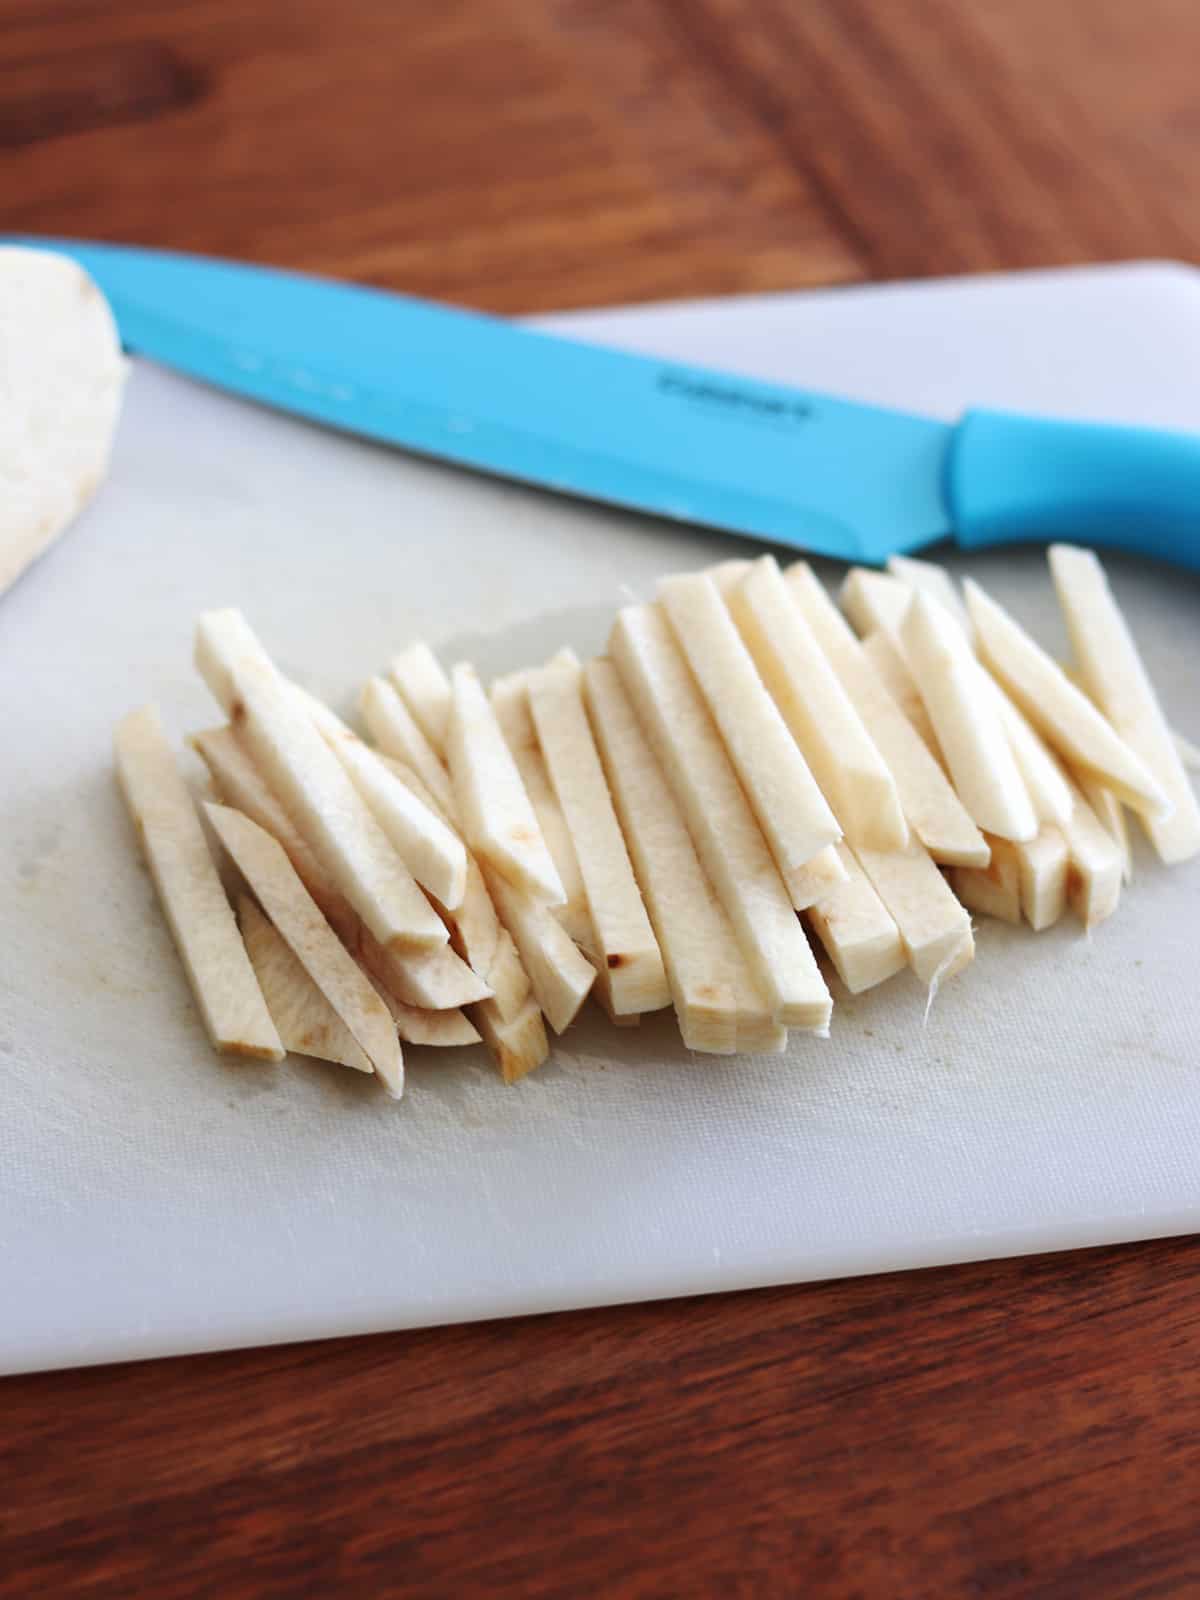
{"points": [[809, 470]]}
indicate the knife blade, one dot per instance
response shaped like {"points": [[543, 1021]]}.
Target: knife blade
{"points": [[786, 465]]}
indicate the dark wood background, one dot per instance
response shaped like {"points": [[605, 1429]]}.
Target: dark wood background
{"points": [[1017, 1429]]}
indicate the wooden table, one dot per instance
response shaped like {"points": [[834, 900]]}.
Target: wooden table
{"points": [[1018, 1429]]}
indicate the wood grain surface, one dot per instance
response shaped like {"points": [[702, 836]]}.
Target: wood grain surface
{"points": [[1017, 1429]]}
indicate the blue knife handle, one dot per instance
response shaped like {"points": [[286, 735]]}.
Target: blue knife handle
{"points": [[1011, 477]]}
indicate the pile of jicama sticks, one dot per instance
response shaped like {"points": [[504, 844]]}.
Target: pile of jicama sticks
{"points": [[665, 825]]}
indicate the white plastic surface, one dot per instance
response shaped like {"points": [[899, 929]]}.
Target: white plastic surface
{"points": [[155, 1199]]}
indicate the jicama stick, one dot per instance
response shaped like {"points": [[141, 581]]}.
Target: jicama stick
{"points": [[1061, 712], [816, 708], [694, 935], [858, 932], [970, 734], [189, 888], [681, 731], [933, 810], [624, 938], [510, 702], [1115, 678], [425, 689], [395, 730], [309, 780], [490, 802], [429, 849], [296, 916], [933, 925], [792, 812], [308, 1025], [239, 784]]}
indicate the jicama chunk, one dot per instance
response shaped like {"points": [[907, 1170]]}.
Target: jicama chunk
{"points": [[309, 780], [934, 927], [1188, 753], [1116, 679], [858, 932], [624, 940], [428, 848], [698, 945], [189, 888], [510, 702], [727, 838], [791, 810], [307, 1023], [873, 600], [394, 729], [239, 784], [969, 732], [491, 805], [441, 1030], [933, 810], [936, 583], [425, 689], [1094, 869], [819, 714], [296, 916], [994, 890], [519, 1045], [1042, 866], [560, 976], [882, 650], [1061, 712]]}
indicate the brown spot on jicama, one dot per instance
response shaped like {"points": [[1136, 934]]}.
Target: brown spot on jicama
{"points": [[522, 835], [237, 712], [1074, 882], [616, 960], [708, 991]]}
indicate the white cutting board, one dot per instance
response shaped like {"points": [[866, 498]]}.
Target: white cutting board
{"points": [[155, 1199]]}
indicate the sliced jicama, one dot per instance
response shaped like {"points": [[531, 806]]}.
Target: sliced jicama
{"points": [[858, 932], [816, 709], [792, 812], [994, 890], [307, 1023], [425, 689], [625, 942], [510, 702], [680, 729], [296, 916], [933, 925], [1061, 712], [697, 942], [312, 785], [189, 888], [970, 734], [396, 732], [1115, 678], [491, 805], [933, 810]]}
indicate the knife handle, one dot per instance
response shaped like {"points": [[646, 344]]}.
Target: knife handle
{"points": [[1012, 477]]}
